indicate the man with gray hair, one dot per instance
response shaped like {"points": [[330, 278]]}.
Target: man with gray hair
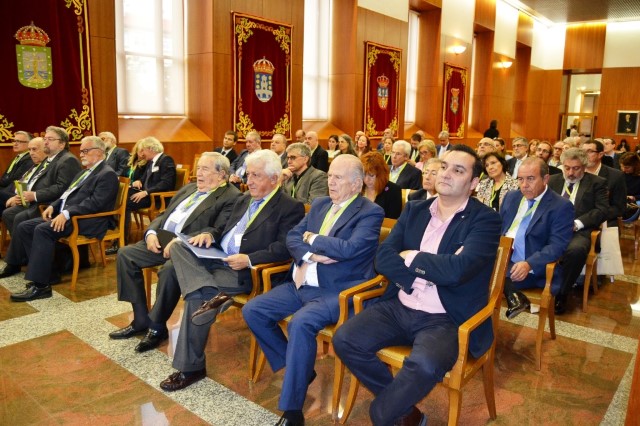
{"points": [[333, 249], [401, 173], [203, 206], [279, 146], [485, 146], [520, 151], [253, 143], [300, 180], [93, 190], [117, 158], [588, 193], [255, 233], [443, 138]]}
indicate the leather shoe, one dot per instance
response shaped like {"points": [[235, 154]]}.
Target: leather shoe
{"points": [[180, 380], [111, 250], [288, 422], [210, 309], [152, 340], [32, 293], [9, 271], [414, 418], [126, 332], [517, 303], [560, 305]]}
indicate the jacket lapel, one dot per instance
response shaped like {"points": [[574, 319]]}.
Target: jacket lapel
{"points": [[346, 215]]}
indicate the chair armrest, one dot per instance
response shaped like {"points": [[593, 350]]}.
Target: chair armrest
{"points": [[360, 298], [346, 295], [594, 237], [162, 197], [75, 219], [268, 272]]}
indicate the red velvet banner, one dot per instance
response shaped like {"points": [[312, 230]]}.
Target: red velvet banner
{"points": [[262, 76], [45, 74], [454, 108], [381, 88]]}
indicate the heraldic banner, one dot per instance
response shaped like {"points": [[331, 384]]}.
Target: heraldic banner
{"points": [[262, 76], [454, 108], [381, 88], [45, 73]]}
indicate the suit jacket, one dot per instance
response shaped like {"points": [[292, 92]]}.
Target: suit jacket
{"points": [[352, 242], [312, 184], [19, 169], [617, 191], [552, 170], [283, 160], [613, 162], [231, 155], [420, 194], [56, 178], [320, 159], [160, 177], [591, 202], [212, 212], [118, 159], [439, 148], [238, 162], [97, 193], [462, 279], [410, 178], [547, 236], [511, 162], [390, 199]]}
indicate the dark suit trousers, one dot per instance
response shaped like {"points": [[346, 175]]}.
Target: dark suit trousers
{"points": [[574, 258], [313, 309], [17, 214], [434, 338]]}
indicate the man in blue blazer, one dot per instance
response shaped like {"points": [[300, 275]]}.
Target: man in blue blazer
{"points": [[333, 249], [438, 259], [541, 233], [93, 190]]}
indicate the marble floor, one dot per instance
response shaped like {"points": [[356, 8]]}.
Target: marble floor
{"points": [[58, 366]]}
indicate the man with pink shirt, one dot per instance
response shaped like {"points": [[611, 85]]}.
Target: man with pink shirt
{"points": [[438, 260]]}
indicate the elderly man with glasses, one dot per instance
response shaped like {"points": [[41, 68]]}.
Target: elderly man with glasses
{"points": [[520, 149], [300, 179], [17, 167]]}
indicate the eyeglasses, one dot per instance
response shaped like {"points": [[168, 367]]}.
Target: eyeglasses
{"points": [[86, 151], [590, 151], [397, 153], [424, 152], [47, 139], [19, 141], [293, 157], [519, 145]]}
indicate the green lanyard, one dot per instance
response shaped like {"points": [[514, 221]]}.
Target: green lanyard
{"points": [[516, 223], [15, 161], [257, 212], [571, 192], [86, 172], [330, 220], [393, 176]]}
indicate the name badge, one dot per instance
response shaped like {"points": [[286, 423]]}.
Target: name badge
{"points": [[155, 169], [238, 239]]}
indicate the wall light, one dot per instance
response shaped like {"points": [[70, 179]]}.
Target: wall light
{"points": [[458, 49], [505, 64]]}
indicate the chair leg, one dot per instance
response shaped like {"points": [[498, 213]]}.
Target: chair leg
{"points": [[542, 320], [104, 260], [489, 393], [338, 378], [455, 404], [260, 361], [552, 317], [253, 354], [147, 284], [76, 266], [351, 399], [587, 282]]}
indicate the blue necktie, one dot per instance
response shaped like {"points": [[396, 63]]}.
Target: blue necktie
{"points": [[518, 243], [232, 248]]}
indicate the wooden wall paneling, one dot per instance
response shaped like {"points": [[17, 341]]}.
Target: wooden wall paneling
{"points": [[619, 90], [520, 95], [200, 30], [525, 29], [429, 93], [485, 14], [543, 104], [344, 66], [584, 46], [481, 98], [200, 91]]}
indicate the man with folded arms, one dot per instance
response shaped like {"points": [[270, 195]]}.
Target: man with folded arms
{"points": [[255, 233], [93, 190], [333, 249], [301, 180], [438, 259], [541, 224], [198, 207]]}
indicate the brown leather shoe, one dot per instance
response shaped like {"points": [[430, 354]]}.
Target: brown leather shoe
{"points": [[414, 418], [180, 380], [209, 310]]}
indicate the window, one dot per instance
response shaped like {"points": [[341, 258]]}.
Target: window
{"points": [[412, 68], [316, 62], [150, 57]]}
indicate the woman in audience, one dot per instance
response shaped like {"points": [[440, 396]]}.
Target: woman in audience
{"points": [[630, 166], [332, 146], [345, 144], [498, 182], [533, 146], [363, 145], [624, 146], [136, 164], [377, 187], [387, 147], [426, 150], [429, 173]]}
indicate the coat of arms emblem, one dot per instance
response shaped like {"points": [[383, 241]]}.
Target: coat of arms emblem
{"points": [[263, 79], [383, 91], [455, 101], [33, 57]]}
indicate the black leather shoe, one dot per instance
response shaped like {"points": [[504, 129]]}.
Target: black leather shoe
{"points": [[517, 303], [291, 418], [180, 380], [127, 332], [414, 418], [561, 305], [112, 250], [152, 340], [9, 271], [211, 308], [32, 293]]}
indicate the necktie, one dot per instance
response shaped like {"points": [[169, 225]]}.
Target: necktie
{"points": [[519, 243], [13, 163], [568, 191], [232, 248], [171, 225], [27, 176], [43, 167]]}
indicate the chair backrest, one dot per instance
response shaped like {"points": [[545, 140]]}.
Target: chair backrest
{"points": [[385, 229], [182, 177], [496, 284], [121, 200], [194, 169]]}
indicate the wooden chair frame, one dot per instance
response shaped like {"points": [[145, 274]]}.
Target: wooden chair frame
{"points": [[591, 271]]}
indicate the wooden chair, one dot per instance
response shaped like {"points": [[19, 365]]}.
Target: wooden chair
{"points": [[385, 229], [194, 169], [633, 222], [591, 270], [3, 235], [75, 239], [546, 300], [161, 199], [466, 366]]}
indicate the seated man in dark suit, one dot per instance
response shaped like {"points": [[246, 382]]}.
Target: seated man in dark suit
{"points": [[17, 167], [279, 146], [228, 144], [93, 190], [255, 233], [541, 224], [159, 176], [588, 193], [520, 152], [401, 172], [319, 155], [198, 206], [301, 180], [117, 158], [438, 259], [333, 249], [544, 151], [37, 155], [253, 143]]}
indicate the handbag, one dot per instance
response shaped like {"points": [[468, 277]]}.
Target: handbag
{"points": [[610, 258]]}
